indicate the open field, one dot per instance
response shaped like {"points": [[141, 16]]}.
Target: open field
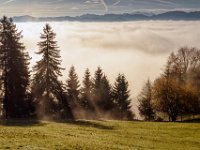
{"points": [[99, 135]]}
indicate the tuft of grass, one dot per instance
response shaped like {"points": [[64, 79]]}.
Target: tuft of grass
{"points": [[95, 135]]}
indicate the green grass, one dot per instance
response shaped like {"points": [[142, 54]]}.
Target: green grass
{"points": [[92, 135]]}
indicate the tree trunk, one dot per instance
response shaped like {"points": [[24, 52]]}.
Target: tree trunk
{"points": [[173, 118], [181, 117], [169, 118]]}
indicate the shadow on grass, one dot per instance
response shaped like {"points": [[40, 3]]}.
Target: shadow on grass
{"points": [[21, 122], [31, 122], [191, 121], [88, 123]]}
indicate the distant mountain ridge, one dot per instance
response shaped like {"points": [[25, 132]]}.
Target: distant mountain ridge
{"points": [[171, 15]]}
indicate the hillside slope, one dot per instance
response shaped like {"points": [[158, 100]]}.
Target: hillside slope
{"points": [[99, 135]]}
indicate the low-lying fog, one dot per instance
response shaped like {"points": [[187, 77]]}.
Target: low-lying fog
{"points": [[137, 49]]}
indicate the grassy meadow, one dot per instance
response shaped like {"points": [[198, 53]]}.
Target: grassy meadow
{"points": [[95, 135]]}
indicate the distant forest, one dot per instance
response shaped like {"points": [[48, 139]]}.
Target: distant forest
{"points": [[39, 94]]}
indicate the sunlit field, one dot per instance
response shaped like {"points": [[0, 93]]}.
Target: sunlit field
{"points": [[91, 135]]}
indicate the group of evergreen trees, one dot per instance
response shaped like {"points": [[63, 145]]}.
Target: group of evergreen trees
{"points": [[43, 95], [176, 92], [97, 98]]}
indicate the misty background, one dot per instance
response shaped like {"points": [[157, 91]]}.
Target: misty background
{"points": [[137, 49]]}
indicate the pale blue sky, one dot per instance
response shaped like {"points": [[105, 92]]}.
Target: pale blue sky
{"points": [[79, 7]]}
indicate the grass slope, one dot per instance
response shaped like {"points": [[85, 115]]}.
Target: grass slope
{"points": [[92, 135]]}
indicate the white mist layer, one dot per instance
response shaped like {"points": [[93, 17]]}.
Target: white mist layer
{"points": [[137, 49]]}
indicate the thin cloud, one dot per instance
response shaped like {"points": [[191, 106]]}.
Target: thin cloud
{"points": [[96, 3], [165, 2], [54, 2], [9, 1], [116, 3], [75, 8], [105, 5]]}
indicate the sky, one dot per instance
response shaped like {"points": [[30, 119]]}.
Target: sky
{"points": [[137, 49], [44, 8]]}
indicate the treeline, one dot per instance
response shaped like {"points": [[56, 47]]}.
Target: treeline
{"points": [[176, 93], [38, 93]]}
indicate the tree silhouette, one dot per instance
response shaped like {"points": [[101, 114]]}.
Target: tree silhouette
{"points": [[194, 79], [47, 89], [98, 78], [106, 104], [122, 99], [97, 90], [175, 92], [145, 99], [14, 63], [73, 90], [86, 92]]}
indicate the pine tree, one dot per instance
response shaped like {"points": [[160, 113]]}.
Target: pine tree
{"points": [[86, 92], [47, 89], [96, 92], [121, 97], [145, 102], [102, 95], [73, 90], [14, 63], [97, 81], [106, 104]]}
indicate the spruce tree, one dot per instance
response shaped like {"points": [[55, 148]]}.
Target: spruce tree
{"points": [[121, 97], [96, 92], [145, 99], [97, 81], [102, 95], [47, 89], [73, 91], [14, 61], [106, 103], [86, 92]]}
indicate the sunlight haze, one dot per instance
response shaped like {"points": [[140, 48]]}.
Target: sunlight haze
{"points": [[137, 49]]}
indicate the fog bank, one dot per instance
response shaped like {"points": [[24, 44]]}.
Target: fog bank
{"points": [[137, 49]]}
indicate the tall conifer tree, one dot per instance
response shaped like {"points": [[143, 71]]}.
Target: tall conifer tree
{"points": [[106, 103], [73, 91], [97, 81], [122, 99], [14, 63], [86, 92], [47, 89], [102, 97]]}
